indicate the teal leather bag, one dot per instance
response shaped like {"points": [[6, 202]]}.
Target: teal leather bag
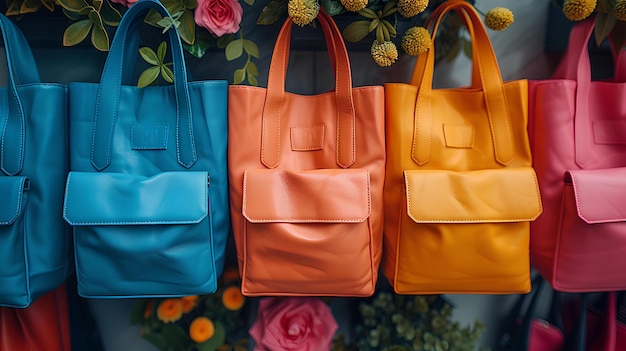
{"points": [[147, 194], [35, 246]]}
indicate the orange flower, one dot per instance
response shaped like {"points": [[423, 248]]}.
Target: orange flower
{"points": [[232, 298], [189, 302], [201, 329], [147, 312], [170, 310]]}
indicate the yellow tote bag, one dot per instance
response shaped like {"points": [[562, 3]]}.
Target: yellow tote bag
{"points": [[459, 191]]}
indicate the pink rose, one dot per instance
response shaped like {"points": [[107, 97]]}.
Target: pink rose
{"points": [[219, 16], [293, 323]]}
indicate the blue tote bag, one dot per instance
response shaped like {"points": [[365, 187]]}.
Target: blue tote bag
{"points": [[147, 192], [35, 245]]}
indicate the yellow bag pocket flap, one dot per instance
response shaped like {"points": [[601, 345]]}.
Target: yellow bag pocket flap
{"points": [[484, 196], [324, 195]]}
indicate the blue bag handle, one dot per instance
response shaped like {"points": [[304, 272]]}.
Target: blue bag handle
{"points": [[22, 69], [107, 101]]}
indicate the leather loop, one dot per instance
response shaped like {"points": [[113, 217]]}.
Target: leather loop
{"points": [[580, 71], [107, 102], [22, 69], [345, 149], [485, 63]]}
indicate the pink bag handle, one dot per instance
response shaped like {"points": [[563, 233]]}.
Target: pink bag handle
{"points": [[491, 83], [575, 65], [270, 142]]}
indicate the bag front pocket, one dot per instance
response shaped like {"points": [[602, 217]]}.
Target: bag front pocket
{"points": [[137, 236], [14, 287], [466, 232], [307, 233], [590, 253]]}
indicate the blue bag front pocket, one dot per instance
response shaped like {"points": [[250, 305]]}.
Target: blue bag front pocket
{"points": [[138, 236], [13, 263]]}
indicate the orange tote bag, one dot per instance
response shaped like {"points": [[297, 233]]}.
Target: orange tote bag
{"points": [[459, 189], [306, 176]]}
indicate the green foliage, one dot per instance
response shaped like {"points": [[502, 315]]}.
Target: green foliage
{"points": [[89, 17], [374, 22], [158, 67], [234, 50], [272, 12], [182, 15]]}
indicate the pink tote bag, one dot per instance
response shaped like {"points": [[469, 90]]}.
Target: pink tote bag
{"points": [[578, 139]]}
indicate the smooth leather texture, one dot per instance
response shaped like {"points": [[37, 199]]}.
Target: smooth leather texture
{"points": [[307, 221], [545, 337], [35, 245], [577, 124], [448, 150], [44, 325], [148, 246]]}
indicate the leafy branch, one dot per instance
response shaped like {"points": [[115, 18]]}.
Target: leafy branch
{"points": [[159, 67], [234, 50]]}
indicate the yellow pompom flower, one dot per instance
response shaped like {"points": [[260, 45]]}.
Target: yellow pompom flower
{"points": [[385, 53], [499, 18], [354, 5], [170, 310], [303, 12], [410, 8], [578, 10], [201, 329], [416, 40], [620, 10]]}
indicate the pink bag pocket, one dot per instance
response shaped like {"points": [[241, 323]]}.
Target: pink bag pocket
{"points": [[591, 247]]}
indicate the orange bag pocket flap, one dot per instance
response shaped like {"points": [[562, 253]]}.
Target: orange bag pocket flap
{"points": [[600, 194], [484, 196], [325, 195]]}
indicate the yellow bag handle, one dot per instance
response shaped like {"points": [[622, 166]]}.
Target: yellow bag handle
{"points": [[485, 66]]}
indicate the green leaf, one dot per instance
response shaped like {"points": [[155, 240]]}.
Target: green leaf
{"points": [[234, 49], [136, 314], [95, 18], [225, 40], [604, 25], [187, 28], [332, 7], [272, 12], [13, 9], [176, 338], [167, 74], [161, 51], [239, 76], [49, 4], [110, 15], [100, 38], [250, 47], [30, 6], [73, 5], [249, 2], [356, 31], [97, 4], [368, 13], [74, 16], [467, 48], [454, 51], [76, 32], [203, 41], [216, 340], [252, 69], [173, 6], [253, 81], [149, 55], [153, 17], [166, 23], [190, 4]]}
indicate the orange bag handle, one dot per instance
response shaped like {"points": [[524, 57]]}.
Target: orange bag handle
{"points": [[486, 66], [270, 141]]}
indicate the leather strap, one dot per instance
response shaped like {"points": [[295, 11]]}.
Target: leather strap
{"points": [[107, 102], [345, 149], [22, 69], [490, 82]]}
